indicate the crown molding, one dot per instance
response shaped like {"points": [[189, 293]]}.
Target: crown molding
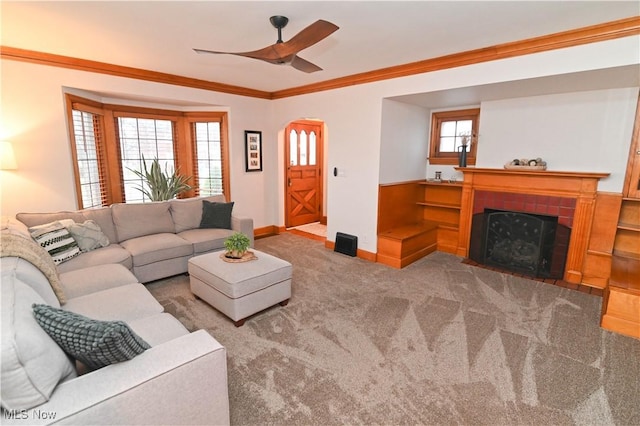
{"points": [[50, 59], [601, 32], [592, 34]]}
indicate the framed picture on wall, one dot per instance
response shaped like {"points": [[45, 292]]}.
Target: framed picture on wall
{"points": [[253, 150]]}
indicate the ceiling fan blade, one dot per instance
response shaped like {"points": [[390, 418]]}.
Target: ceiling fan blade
{"points": [[268, 53], [286, 52], [303, 65], [306, 38]]}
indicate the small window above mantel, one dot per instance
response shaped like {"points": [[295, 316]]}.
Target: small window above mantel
{"points": [[450, 130]]}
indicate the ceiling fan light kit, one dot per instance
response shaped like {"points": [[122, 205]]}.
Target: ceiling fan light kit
{"points": [[286, 52]]}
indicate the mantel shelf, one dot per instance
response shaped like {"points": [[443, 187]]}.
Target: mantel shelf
{"points": [[546, 173]]}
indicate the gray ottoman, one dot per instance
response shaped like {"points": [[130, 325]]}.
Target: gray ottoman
{"points": [[239, 290]]}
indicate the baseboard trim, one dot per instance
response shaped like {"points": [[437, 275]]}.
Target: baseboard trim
{"points": [[265, 231]]}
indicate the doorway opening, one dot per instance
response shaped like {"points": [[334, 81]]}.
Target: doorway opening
{"points": [[304, 178]]}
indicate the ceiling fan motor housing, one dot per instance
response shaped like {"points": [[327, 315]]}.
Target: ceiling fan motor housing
{"points": [[279, 22]]}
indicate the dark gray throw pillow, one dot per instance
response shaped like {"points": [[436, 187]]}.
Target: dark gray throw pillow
{"points": [[94, 343], [216, 215]]}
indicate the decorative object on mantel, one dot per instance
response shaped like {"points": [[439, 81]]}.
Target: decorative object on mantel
{"points": [[436, 179], [526, 164], [462, 156]]}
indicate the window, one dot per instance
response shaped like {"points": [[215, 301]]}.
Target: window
{"points": [[88, 154], [143, 138], [449, 132], [210, 154], [302, 148], [109, 141]]}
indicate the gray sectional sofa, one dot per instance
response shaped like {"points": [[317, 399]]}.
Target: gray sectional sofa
{"points": [[180, 379], [153, 240]]}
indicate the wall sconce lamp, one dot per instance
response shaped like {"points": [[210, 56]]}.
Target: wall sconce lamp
{"points": [[7, 157]]}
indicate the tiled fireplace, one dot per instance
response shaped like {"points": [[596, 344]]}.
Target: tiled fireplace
{"points": [[567, 196]]}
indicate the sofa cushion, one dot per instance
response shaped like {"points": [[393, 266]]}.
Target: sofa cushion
{"points": [[88, 235], [24, 247], [94, 343], [32, 363], [113, 253], [158, 329], [26, 272], [55, 238], [103, 218], [216, 215], [186, 214], [95, 278], [126, 303], [14, 226], [156, 248], [205, 240], [137, 220], [35, 219]]}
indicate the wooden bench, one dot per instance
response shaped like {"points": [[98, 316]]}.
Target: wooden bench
{"points": [[402, 245]]}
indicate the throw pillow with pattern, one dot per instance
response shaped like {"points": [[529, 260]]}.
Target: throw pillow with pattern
{"points": [[56, 240], [88, 235], [92, 342]]}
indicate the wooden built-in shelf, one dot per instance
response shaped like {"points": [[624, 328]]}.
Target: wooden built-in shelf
{"points": [[626, 254], [440, 205], [621, 302], [634, 227], [416, 218]]}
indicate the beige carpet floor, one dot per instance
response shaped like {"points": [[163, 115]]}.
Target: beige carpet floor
{"points": [[438, 342]]}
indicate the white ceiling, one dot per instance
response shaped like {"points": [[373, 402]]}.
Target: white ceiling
{"points": [[159, 36]]}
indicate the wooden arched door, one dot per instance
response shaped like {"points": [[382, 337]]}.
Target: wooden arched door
{"points": [[303, 177]]}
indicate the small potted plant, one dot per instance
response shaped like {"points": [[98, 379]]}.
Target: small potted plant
{"points": [[236, 245]]}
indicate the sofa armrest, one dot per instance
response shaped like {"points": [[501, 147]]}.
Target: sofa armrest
{"points": [[183, 381], [244, 225]]}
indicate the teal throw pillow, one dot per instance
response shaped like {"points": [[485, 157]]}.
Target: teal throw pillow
{"points": [[216, 215], [92, 342]]}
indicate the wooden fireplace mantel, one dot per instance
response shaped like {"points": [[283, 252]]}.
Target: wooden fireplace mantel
{"points": [[582, 186]]}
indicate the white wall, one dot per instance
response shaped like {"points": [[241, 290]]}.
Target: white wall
{"points": [[354, 116], [403, 142], [583, 131], [33, 119]]}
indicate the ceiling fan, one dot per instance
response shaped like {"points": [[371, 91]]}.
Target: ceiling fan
{"points": [[286, 52]]}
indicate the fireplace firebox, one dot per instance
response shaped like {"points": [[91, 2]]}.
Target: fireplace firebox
{"points": [[529, 244]]}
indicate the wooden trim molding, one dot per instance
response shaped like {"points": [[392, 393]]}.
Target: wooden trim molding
{"points": [[50, 59], [265, 231], [601, 32], [606, 31]]}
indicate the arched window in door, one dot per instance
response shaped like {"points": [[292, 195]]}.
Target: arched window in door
{"points": [[293, 148], [302, 148]]}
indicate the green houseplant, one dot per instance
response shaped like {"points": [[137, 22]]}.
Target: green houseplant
{"points": [[161, 185], [236, 245]]}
